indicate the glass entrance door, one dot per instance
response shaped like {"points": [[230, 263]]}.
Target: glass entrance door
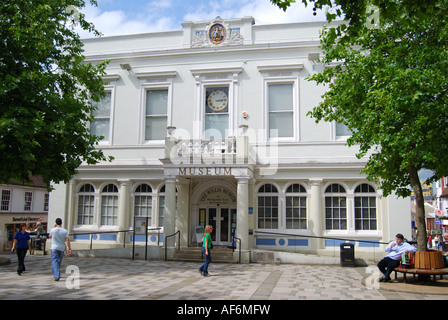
{"points": [[223, 221], [224, 235]]}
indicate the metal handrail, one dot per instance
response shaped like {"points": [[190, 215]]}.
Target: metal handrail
{"points": [[166, 242], [319, 237], [100, 232]]}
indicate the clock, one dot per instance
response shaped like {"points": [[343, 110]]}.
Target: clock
{"points": [[217, 100]]}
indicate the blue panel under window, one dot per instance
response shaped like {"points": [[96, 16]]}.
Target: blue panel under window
{"points": [[110, 237], [266, 242], [298, 242], [81, 237], [335, 243], [139, 238], [370, 244]]}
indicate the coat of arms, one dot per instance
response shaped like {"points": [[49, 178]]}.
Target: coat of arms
{"points": [[218, 33]]}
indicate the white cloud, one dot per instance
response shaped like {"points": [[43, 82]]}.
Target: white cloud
{"points": [[168, 15], [263, 11]]}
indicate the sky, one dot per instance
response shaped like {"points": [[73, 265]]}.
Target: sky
{"points": [[121, 17]]}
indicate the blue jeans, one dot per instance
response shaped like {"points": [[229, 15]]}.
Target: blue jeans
{"points": [[56, 260], [208, 260]]}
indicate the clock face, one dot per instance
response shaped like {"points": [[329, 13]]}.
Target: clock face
{"points": [[217, 100]]}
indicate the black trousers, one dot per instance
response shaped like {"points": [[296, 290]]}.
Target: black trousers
{"points": [[21, 253], [387, 265]]}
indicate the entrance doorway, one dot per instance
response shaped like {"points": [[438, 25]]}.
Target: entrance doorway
{"points": [[223, 220]]}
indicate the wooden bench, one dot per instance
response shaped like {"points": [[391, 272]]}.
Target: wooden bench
{"points": [[430, 272], [425, 263]]}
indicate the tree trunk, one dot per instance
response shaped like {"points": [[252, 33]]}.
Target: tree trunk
{"points": [[420, 219]]}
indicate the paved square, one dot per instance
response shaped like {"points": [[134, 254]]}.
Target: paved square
{"points": [[125, 279]]}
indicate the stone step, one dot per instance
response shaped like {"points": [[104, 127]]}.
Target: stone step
{"points": [[219, 255]]}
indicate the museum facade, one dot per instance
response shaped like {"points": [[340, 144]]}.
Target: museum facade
{"points": [[209, 125]]}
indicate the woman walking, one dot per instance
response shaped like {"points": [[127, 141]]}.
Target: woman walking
{"points": [[22, 242], [206, 246]]}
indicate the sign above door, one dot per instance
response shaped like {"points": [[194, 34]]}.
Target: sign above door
{"points": [[218, 195]]}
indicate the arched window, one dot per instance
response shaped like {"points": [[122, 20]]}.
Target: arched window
{"points": [[335, 207], [296, 207], [365, 207], [143, 202], [86, 205], [268, 207], [161, 205], [109, 205]]}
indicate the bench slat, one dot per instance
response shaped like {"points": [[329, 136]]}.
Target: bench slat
{"points": [[423, 271]]}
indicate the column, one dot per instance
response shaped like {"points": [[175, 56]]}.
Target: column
{"points": [[169, 214], [71, 216], [183, 211], [242, 221], [123, 210], [315, 213]]}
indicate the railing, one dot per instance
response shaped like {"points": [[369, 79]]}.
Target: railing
{"points": [[321, 237], [166, 242], [117, 231], [100, 232]]}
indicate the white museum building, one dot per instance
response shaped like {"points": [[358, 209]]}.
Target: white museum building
{"points": [[209, 125]]}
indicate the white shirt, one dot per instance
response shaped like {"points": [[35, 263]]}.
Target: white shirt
{"points": [[58, 236], [396, 252]]}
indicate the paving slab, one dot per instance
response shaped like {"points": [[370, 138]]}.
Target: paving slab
{"points": [[126, 279]]}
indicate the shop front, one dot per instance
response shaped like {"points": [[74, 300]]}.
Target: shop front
{"points": [[10, 225]]}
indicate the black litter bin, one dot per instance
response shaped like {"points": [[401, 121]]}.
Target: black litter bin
{"points": [[347, 255]]}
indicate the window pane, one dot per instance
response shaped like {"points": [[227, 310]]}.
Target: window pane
{"points": [[109, 210], [156, 102], [283, 123], [216, 126], [342, 130], [161, 210], [280, 97], [100, 128], [6, 197], [268, 212], [103, 106], [365, 211], [156, 128]]}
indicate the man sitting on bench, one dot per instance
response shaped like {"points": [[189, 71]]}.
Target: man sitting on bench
{"points": [[392, 260]]}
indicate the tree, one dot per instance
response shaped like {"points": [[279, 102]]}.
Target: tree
{"points": [[46, 91], [390, 89]]}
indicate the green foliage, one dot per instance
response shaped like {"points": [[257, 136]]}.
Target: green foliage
{"points": [[46, 90], [389, 87], [391, 91]]}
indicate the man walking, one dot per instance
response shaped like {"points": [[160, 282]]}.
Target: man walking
{"points": [[392, 260], [59, 236]]}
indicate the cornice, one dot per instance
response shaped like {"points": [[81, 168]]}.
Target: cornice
{"points": [[157, 53]]}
